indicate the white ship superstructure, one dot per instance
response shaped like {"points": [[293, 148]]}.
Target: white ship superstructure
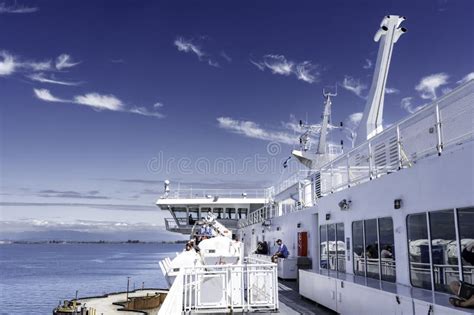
{"points": [[384, 224]]}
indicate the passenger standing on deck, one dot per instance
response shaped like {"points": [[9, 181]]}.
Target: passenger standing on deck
{"points": [[282, 251]]}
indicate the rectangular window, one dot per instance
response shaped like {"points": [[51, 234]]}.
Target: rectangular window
{"points": [[332, 250], [443, 234], [437, 240], [387, 249], [418, 246], [340, 248], [332, 247], [373, 249], [323, 251], [358, 247], [466, 235]]}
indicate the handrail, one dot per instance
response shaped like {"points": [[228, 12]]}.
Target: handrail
{"points": [[443, 123]]}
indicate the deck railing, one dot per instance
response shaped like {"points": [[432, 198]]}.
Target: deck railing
{"points": [[191, 193], [248, 287], [446, 122]]}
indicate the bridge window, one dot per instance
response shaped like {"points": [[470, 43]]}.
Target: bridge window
{"points": [[373, 249], [332, 250], [436, 240]]}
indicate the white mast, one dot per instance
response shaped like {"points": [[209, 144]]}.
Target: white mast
{"points": [[315, 159], [388, 34], [325, 122]]}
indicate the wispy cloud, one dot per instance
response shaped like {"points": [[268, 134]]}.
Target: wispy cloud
{"points": [[390, 90], [190, 46], [65, 61], [368, 64], [41, 77], [45, 95], [106, 206], [353, 85], [51, 193], [429, 84], [146, 112], [37, 66], [279, 64], [16, 8], [226, 56], [185, 45], [39, 71], [98, 102], [7, 63], [466, 78], [407, 104], [251, 129]]}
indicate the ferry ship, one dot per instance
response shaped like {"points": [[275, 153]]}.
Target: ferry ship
{"points": [[378, 229], [382, 228]]}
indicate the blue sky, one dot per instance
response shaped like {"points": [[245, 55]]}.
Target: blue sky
{"points": [[96, 96]]}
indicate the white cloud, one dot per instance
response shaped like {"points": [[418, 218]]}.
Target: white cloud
{"points": [[99, 101], [35, 70], [41, 77], [429, 84], [157, 105], [303, 72], [368, 64], [406, 104], [226, 56], [145, 112], [353, 85], [259, 65], [45, 95], [253, 130], [278, 64], [389, 90], [187, 46], [65, 61], [467, 77], [7, 63], [38, 66], [15, 8]]}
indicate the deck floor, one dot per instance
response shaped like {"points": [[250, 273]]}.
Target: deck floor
{"points": [[292, 303]]}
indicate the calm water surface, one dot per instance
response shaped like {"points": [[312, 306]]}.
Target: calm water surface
{"points": [[33, 278]]}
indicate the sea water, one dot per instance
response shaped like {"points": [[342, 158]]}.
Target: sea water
{"points": [[35, 277]]}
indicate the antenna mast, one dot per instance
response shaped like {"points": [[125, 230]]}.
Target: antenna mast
{"points": [[325, 121]]}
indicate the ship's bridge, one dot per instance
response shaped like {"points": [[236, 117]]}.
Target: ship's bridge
{"points": [[187, 206]]}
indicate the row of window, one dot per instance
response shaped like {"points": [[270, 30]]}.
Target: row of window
{"points": [[436, 240]]}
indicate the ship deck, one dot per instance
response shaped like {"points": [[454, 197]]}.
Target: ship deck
{"points": [[291, 302]]}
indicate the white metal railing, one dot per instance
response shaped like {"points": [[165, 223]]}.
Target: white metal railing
{"points": [[191, 193], [290, 181], [251, 286], [446, 122]]}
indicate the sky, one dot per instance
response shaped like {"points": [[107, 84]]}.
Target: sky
{"points": [[101, 101]]}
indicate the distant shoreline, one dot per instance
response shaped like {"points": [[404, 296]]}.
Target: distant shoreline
{"points": [[8, 242]]}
